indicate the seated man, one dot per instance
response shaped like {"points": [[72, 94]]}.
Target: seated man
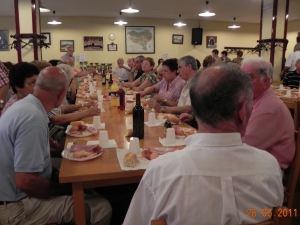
{"points": [[187, 67], [122, 70], [271, 125], [27, 193], [292, 78], [216, 179]]}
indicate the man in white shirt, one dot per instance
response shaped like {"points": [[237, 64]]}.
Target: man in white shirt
{"points": [[290, 63], [122, 71], [216, 179]]}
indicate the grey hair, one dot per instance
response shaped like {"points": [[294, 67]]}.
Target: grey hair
{"points": [[216, 98], [53, 85], [67, 69], [186, 60], [297, 47], [261, 65]]}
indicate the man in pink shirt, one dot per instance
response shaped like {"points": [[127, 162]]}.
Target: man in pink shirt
{"points": [[271, 125]]}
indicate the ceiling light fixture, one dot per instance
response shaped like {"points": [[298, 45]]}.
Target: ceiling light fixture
{"points": [[43, 9], [130, 10], [234, 26], [120, 22], [54, 22], [179, 24], [207, 13]]}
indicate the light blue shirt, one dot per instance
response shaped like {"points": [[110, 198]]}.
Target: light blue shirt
{"points": [[24, 145]]}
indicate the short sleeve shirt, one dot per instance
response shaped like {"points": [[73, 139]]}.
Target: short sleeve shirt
{"points": [[150, 77], [175, 88]]}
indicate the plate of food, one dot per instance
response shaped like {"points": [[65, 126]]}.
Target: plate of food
{"points": [[153, 153], [182, 132], [81, 153], [170, 117], [78, 129]]}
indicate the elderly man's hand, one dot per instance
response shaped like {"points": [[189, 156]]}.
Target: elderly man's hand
{"points": [[152, 103], [185, 117], [93, 111]]}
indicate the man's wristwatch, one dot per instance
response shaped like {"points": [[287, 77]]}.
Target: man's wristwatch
{"points": [[165, 101], [1, 101], [163, 109]]}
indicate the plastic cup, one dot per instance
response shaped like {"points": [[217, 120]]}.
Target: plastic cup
{"points": [[99, 92], [134, 146], [288, 93], [95, 83], [170, 136], [97, 122], [103, 138], [281, 86], [151, 119]]}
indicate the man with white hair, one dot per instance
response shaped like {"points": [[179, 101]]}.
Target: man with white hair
{"points": [[28, 194], [215, 179], [122, 70], [271, 125]]}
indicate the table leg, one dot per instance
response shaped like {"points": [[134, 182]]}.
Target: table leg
{"points": [[78, 199]]}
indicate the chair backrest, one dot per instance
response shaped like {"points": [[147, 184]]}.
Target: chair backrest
{"points": [[293, 176]]}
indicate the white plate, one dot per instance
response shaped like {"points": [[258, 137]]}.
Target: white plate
{"points": [[86, 134], [65, 153]]}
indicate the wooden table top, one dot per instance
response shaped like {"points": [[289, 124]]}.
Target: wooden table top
{"points": [[106, 167]]}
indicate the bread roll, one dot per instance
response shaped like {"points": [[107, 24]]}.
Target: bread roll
{"points": [[76, 123], [94, 96], [80, 142], [130, 159], [173, 119], [128, 132]]}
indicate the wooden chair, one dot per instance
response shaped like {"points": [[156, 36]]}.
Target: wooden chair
{"points": [[293, 104], [292, 178]]}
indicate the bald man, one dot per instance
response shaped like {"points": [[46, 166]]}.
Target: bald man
{"points": [[28, 195]]}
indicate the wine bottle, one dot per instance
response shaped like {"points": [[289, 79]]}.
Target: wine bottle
{"points": [[110, 81], [121, 95], [103, 79], [138, 118]]}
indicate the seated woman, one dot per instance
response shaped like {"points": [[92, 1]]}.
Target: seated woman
{"points": [[169, 88], [147, 79]]}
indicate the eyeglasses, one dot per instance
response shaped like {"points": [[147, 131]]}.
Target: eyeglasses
{"points": [[146, 64]]}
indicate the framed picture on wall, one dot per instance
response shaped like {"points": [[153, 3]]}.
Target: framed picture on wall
{"points": [[211, 41], [93, 43], [177, 39], [140, 40], [4, 40], [112, 47], [48, 38], [64, 44]]}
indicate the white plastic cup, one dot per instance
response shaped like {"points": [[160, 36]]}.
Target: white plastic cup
{"points": [[103, 138], [99, 92], [151, 119], [281, 87], [95, 83], [170, 136], [288, 93], [85, 80], [134, 146], [97, 122], [100, 105]]}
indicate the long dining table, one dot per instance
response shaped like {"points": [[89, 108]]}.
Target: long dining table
{"points": [[105, 170]]}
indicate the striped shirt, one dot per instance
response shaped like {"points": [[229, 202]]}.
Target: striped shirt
{"points": [[291, 79]]}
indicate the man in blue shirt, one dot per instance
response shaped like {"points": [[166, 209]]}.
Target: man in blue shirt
{"points": [[27, 194]]}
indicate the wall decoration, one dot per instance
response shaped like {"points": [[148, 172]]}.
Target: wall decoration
{"points": [[112, 47], [177, 39], [140, 40], [64, 44], [93, 43], [211, 41], [4, 40], [48, 39]]}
